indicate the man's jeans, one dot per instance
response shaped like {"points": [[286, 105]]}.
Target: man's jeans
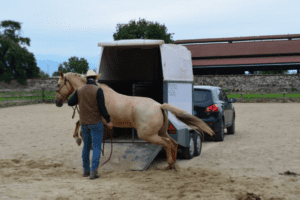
{"points": [[92, 134]]}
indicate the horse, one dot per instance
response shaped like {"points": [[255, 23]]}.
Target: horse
{"points": [[148, 117]]}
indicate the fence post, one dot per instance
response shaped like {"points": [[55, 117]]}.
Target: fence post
{"points": [[7, 97], [37, 95], [43, 94]]}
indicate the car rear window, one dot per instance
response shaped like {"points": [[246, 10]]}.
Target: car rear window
{"points": [[202, 96]]}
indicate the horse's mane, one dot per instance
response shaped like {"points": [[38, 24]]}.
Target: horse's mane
{"points": [[83, 78], [69, 74]]}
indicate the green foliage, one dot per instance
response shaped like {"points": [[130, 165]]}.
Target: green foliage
{"points": [[142, 29], [273, 72], [15, 61], [74, 64], [43, 74], [294, 89]]}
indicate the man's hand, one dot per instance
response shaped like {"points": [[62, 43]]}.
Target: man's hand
{"points": [[110, 125]]}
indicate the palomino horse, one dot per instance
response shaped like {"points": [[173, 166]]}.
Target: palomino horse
{"points": [[147, 116]]}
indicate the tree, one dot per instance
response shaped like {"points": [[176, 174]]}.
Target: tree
{"points": [[15, 61], [43, 74], [73, 65], [142, 29]]}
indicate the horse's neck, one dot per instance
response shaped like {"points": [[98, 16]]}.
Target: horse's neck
{"points": [[76, 82]]}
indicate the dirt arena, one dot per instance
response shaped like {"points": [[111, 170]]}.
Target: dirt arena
{"points": [[39, 159]]}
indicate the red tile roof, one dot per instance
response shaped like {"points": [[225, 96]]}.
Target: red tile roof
{"points": [[250, 52], [245, 61], [268, 37], [245, 49]]}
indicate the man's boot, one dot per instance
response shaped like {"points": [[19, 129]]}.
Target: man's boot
{"points": [[86, 173], [94, 175]]}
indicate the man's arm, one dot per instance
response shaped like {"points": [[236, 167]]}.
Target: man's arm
{"points": [[101, 105], [73, 100]]}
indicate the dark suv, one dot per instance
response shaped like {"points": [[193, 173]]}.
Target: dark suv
{"points": [[213, 107]]}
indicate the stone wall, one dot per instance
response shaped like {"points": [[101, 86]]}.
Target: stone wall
{"points": [[252, 83], [234, 83], [32, 84]]}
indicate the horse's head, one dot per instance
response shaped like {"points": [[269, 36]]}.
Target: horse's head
{"points": [[64, 89]]}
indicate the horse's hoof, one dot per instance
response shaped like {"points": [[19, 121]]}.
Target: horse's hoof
{"points": [[176, 167], [173, 166], [78, 141]]}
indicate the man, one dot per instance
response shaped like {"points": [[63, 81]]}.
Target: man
{"points": [[90, 99]]}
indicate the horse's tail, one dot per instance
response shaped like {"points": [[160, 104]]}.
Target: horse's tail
{"points": [[190, 120]]}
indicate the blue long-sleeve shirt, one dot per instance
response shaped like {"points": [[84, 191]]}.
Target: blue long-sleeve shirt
{"points": [[100, 99]]}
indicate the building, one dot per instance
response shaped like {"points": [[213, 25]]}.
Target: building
{"points": [[239, 54]]}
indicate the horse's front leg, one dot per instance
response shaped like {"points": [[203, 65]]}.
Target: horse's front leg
{"points": [[75, 134]]}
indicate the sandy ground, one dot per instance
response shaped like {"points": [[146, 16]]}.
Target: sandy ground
{"points": [[40, 160]]}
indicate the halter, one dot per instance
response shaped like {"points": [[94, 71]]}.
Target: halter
{"points": [[66, 97], [65, 83]]}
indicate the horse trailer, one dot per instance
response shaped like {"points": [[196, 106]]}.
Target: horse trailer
{"points": [[163, 72]]}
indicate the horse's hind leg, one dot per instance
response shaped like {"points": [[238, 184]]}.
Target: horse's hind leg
{"points": [[174, 148], [164, 142], [163, 133], [174, 145]]}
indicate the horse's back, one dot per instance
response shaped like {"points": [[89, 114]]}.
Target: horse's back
{"points": [[131, 110]]}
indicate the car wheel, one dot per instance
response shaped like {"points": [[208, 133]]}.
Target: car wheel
{"points": [[197, 144], [188, 152], [220, 134], [231, 129]]}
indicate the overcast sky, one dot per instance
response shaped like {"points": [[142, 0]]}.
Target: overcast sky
{"points": [[59, 29]]}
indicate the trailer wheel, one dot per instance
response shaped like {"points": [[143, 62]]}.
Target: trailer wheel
{"points": [[198, 144], [188, 152]]}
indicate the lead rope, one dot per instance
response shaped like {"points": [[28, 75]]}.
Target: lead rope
{"points": [[111, 138]]}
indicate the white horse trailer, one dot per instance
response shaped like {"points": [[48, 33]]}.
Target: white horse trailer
{"points": [[163, 72]]}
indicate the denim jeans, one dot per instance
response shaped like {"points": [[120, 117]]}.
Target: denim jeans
{"points": [[92, 134]]}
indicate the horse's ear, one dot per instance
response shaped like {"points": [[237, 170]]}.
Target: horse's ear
{"points": [[61, 74]]}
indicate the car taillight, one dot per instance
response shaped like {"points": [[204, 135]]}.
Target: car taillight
{"points": [[212, 108], [171, 129]]}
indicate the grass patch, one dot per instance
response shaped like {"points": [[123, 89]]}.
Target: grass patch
{"points": [[251, 95], [234, 96], [273, 95], [21, 98], [292, 95]]}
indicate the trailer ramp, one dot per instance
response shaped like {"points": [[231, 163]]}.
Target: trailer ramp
{"points": [[132, 156]]}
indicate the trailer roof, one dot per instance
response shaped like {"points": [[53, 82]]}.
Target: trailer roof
{"points": [[175, 60], [131, 42], [207, 87]]}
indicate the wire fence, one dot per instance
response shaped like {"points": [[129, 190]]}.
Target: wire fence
{"points": [[15, 98]]}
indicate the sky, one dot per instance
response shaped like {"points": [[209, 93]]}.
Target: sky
{"points": [[60, 29]]}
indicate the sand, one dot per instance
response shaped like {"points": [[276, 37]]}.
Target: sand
{"points": [[39, 159]]}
